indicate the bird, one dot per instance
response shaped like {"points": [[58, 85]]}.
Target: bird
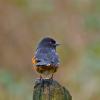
{"points": [[46, 60]]}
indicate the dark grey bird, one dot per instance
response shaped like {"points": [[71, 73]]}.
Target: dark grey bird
{"points": [[46, 60]]}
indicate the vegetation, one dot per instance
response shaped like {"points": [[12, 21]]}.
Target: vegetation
{"points": [[73, 23]]}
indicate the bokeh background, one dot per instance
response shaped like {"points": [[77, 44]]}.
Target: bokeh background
{"points": [[73, 23]]}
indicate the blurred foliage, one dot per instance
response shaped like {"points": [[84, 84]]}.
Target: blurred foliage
{"points": [[94, 49], [12, 88], [21, 2], [75, 24], [92, 23], [96, 5], [93, 58]]}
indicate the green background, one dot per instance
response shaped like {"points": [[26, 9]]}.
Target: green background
{"points": [[73, 23]]}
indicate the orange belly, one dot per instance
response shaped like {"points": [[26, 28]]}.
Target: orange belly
{"points": [[46, 70]]}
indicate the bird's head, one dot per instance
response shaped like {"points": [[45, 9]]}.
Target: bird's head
{"points": [[48, 42]]}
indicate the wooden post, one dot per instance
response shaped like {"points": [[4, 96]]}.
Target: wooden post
{"points": [[48, 89]]}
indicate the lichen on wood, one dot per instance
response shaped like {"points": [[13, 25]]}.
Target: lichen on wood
{"points": [[48, 89]]}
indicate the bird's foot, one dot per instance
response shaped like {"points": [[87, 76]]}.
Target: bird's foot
{"points": [[51, 79]]}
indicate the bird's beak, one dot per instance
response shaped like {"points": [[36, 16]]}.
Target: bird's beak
{"points": [[57, 44]]}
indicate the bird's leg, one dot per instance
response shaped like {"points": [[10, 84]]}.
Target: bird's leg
{"points": [[42, 82], [39, 81], [51, 78], [40, 77]]}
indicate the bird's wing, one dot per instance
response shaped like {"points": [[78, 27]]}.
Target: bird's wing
{"points": [[54, 58], [47, 57]]}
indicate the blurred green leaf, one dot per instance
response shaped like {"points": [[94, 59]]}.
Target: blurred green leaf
{"points": [[21, 2], [92, 23], [5, 77], [94, 49], [19, 90], [92, 58], [96, 5], [91, 63], [41, 5]]}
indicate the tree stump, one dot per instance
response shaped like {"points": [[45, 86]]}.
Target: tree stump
{"points": [[48, 89]]}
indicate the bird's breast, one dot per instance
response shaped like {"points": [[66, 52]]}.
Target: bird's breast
{"points": [[46, 70]]}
